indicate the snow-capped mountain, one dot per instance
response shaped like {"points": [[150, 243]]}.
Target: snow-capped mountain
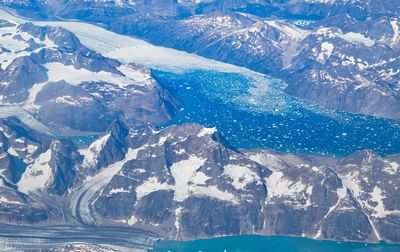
{"points": [[237, 32], [240, 39], [108, 9], [69, 88], [346, 71], [347, 65], [163, 180], [186, 181]]}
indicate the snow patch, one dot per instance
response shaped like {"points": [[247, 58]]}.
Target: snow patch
{"points": [[58, 72], [269, 160], [140, 76], [12, 152], [5, 200], [118, 190], [326, 52], [391, 168], [207, 131], [199, 178], [90, 154], [377, 196], [278, 185], [289, 29], [36, 175], [350, 183], [30, 102], [132, 220], [151, 185], [214, 192], [177, 218], [241, 176], [396, 31], [357, 37], [80, 199], [182, 172]]}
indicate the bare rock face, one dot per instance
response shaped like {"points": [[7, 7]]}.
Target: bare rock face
{"points": [[17, 208], [327, 71], [186, 182], [344, 56], [343, 62]]}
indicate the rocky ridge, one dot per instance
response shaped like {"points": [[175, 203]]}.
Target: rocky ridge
{"points": [[46, 72], [186, 182]]}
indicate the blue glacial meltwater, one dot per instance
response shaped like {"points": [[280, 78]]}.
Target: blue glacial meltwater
{"points": [[252, 111], [253, 243], [249, 109]]}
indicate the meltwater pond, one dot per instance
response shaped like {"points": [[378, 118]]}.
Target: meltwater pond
{"points": [[253, 112], [253, 243]]}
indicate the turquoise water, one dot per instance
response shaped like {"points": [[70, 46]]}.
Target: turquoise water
{"points": [[82, 141], [253, 112], [255, 243], [301, 22]]}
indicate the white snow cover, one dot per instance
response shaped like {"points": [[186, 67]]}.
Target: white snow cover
{"points": [[271, 161], [199, 178], [58, 71], [180, 151], [37, 175], [182, 172], [291, 30], [188, 181], [140, 76], [326, 51], [350, 182], [214, 192], [178, 211], [30, 102], [206, 131], [357, 37], [391, 168], [396, 31], [14, 47], [377, 197], [118, 190], [90, 153], [278, 185], [341, 192], [12, 152], [151, 185], [67, 99], [128, 49], [4, 200], [31, 148], [241, 176], [379, 210], [132, 220], [24, 116]]}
